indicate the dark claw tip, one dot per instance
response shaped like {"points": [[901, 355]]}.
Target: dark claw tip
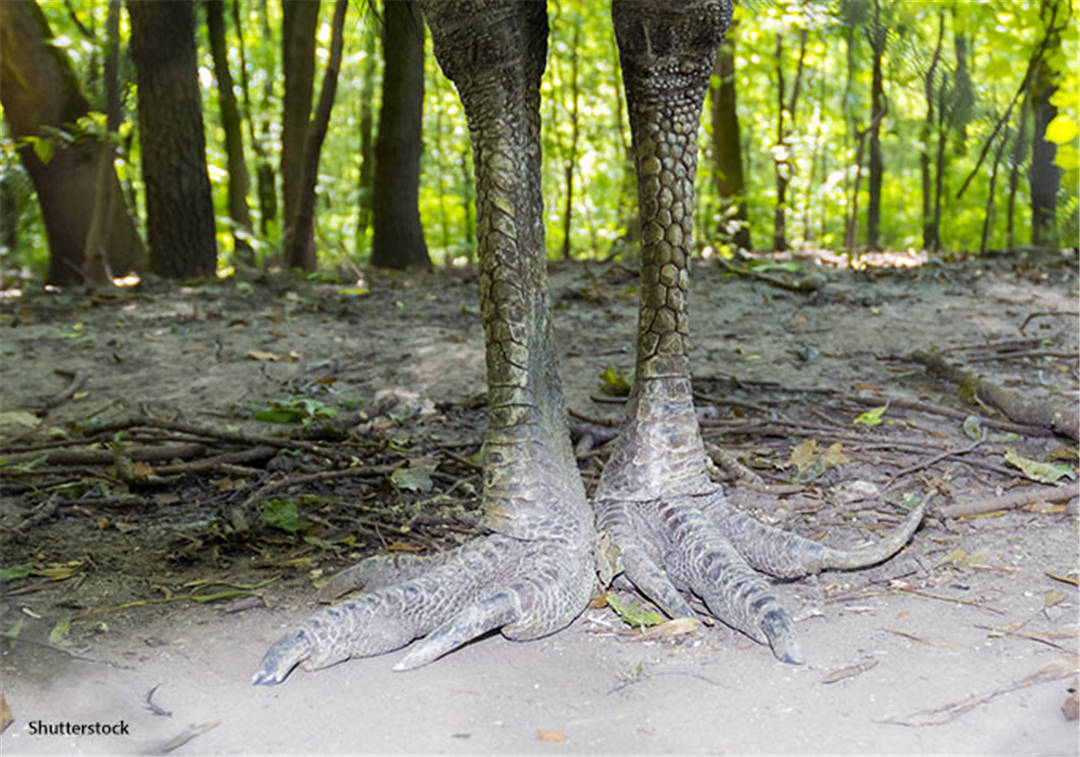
{"points": [[281, 658], [778, 629]]}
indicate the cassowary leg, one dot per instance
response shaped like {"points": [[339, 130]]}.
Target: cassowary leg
{"points": [[672, 529], [533, 575]]}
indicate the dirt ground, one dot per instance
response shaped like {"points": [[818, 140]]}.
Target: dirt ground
{"points": [[141, 591]]}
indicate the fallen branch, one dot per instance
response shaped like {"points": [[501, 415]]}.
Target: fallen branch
{"points": [[1062, 667], [1008, 501], [1012, 403]]}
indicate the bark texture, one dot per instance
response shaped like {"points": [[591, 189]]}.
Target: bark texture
{"points": [[179, 209], [38, 89], [397, 236]]}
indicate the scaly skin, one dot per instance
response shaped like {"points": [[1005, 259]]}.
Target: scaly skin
{"points": [[671, 528]]}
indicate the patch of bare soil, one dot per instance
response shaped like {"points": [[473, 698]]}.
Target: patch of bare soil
{"points": [[159, 531]]}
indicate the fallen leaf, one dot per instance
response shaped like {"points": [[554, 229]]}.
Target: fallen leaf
{"points": [[632, 613], [1054, 597], [849, 672], [262, 355], [551, 736], [871, 417], [670, 628], [1046, 473], [6, 718], [1070, 708]]}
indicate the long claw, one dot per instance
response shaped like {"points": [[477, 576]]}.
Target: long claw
{"points": [[475, 620], [282, 657]]}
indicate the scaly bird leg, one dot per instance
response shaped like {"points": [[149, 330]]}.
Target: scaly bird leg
{"points": [[673, 530], [533, 575]]}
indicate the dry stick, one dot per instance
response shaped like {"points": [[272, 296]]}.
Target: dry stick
{"points": [[105, 457], [606, 422], [1010, 500], [930, 461], [803, 286], [1062, 667], [369, 472], [228, 436], [992, 343], [943, 598], [1032, 316], [223, 462], [77, 382], [1021, 354], [1032, 411], [948, 412]]}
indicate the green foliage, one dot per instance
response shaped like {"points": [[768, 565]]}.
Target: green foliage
{"points": [[1000, 39], [295, 410], [282, 514]]}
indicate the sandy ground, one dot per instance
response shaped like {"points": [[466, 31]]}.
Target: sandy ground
{"points": [[964, 643]]}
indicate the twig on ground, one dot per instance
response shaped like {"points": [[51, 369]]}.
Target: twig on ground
{"points": [[1017, 406], [1010, 500]]}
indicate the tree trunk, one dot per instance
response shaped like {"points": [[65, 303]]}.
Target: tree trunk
{"points": [[1044, 176], [38, 89], [96, 269], [299, 21], [877, 167], [1015, 162], [930, 240], [367, 144], [264, 172], [9, 211], [780, 162], [234, 134], [728, 175], [988, 218], [398, 238], [305, 216], [570, 161], [179, 209]]}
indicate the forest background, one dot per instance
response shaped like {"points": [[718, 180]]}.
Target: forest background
{"points": [[848, 125]]}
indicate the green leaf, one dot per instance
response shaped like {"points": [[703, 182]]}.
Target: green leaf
{"points": [[59, 631], [16, 571], [871, 417], [631, 611], [295, 410], [1062, 129], [414, 479], [281, 513], [1046, 473], [614, 383], [43, 148]]}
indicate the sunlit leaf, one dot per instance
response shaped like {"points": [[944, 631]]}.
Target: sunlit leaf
{"points": [[1046, 473]]}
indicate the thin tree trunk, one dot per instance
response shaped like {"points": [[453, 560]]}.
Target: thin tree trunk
{"points": [[570, 162], [728, 177], [299, 21], [930, 241], [780, 161], [179, 209], [316, 133], [234, 135], [1019, 144], [398, 238], [365, 199], [877, 167], [468, 201], [988, 218], [1044, 176], [939, 180], [96, 263], [264, 172]]}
